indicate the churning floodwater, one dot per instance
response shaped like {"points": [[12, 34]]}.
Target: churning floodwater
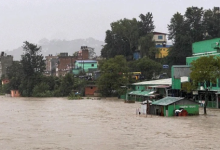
{"points": [[61, 124]]}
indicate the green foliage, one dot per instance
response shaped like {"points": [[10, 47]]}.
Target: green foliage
{"points": [[6, 89], [146, 25], [188, 87], [195, 25], [124, 37], [147, 46], [41, 90], [211, 23], [15, 75], [205, 69], [33, 65], [32, 61], [72, 96], [66, 85], [114, 74], [146, 66]]}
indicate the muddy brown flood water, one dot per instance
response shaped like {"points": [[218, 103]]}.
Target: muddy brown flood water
{"points": [[61, 124]]}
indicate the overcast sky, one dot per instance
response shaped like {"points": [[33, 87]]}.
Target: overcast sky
{"points": [[32, 20]]}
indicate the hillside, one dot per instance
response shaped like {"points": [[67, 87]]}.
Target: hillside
{"points": [[57, 46]]}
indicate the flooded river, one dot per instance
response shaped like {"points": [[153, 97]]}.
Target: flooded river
{"points": [[61, 124]]}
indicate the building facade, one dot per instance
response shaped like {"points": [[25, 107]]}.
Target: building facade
{"points": [[51, 63], [85, 66], [163, 51], [202, 49], [5, 62], [159, 38], [65, 64]]}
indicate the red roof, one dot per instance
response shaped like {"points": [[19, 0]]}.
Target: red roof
{"points": [[159, 33]]}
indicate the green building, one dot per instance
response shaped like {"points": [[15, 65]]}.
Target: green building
{"points": [[166, 106], [201, 49], [86, 66], [150, 90]]}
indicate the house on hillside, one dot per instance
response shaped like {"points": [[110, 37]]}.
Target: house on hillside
{"points": [[160, 40], [161, 43], [163, 51]]}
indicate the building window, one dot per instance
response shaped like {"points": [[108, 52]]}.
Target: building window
{"points": [[92, 65], [214, 85], [160, 37]]}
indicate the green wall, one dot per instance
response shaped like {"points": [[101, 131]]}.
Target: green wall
{"points": [[84, 67], [140, 87], [204, 46], [191, 109], [176, 83]]}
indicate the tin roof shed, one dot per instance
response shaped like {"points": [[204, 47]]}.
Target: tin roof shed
{"points": [[167, 101]]}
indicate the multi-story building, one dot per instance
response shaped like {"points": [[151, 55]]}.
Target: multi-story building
{"points": [[5, 61], [161, 43], [159, 38], [201, 49], [65, 64], [163, 51], [85, 66], [51, 62]]}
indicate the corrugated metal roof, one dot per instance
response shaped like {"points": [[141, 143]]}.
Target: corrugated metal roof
{"points": [[161, 46], [142, 93], [160, 81], [155, 82], [167, 101], [86, 61], [160, 86]]}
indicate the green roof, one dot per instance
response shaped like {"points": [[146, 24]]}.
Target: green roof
{"points": [[142, 93], [167, 101]]}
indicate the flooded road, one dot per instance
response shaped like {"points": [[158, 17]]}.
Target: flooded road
{"points": [[61, 124]]}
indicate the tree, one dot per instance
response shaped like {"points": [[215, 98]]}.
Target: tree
{"points": [[147, 46], [124, 37], [146, 25], [205, 69], [67, 84], [194, 23], [92, 53], [128, 30], [183, 31], [114, 74], [148, 67], [15, 75], [211, 23], [33, 66], [181, 41]]}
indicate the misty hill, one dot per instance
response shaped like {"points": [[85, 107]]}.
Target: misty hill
{"points": [[55, 47]]}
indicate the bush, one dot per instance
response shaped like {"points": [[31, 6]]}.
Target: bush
{"points": [[42, 90], [72, 96]]}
